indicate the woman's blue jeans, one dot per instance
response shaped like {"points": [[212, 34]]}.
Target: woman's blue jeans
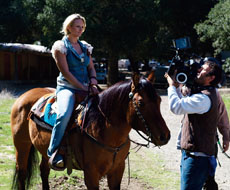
{"points": [[194, 171], [65, 103]]}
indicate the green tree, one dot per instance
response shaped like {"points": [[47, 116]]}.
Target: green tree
{"points": [[18, 20], [12, 19], [177, 19], [123, 29], [216, 27]]}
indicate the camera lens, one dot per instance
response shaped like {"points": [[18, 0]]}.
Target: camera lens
{"points": [[181, 78]]}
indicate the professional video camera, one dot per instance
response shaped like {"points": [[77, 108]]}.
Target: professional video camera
{"points": [[186, 70]]}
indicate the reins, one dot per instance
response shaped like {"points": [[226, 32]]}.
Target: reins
{"points": [[113, 150]]}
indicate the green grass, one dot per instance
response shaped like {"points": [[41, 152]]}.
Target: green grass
{"points": [[226, 98], [6, 146], [150, 168]]}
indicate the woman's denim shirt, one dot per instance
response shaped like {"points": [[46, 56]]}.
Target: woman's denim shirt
{"points": [[77, 64]]}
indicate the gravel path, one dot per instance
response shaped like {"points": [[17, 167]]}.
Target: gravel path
{"points": [[172, 155]]}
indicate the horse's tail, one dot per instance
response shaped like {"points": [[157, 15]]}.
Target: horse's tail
{"points": [[32, 169]]}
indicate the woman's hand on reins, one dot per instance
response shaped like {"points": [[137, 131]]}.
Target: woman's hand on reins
{"points": [[93, 81], [93, 89], [93, 86]]}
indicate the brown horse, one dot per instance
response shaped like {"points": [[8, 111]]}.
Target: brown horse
{"points": [[102, 150]]}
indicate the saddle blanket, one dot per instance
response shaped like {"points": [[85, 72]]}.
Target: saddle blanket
{"points": [[44, 111]]}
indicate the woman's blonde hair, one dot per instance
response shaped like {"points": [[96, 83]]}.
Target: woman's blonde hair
{"points": [[69, 20]]}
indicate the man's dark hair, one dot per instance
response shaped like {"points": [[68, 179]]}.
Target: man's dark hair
{"points": [[216, 71]]}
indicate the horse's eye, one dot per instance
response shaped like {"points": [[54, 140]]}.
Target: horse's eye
{"points": [[141, 103]]}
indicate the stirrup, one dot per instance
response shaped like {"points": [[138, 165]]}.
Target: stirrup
{"points": [[53, 165]]}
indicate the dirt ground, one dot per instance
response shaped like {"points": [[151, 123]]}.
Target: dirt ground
{"points": [[57, 184]]}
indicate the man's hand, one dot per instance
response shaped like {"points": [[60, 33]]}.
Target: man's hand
{"points": [[225, 145], [171, 82], [185, 91]]}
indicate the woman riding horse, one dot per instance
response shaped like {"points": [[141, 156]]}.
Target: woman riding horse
{"points": [[102, 149], [76, 66]]}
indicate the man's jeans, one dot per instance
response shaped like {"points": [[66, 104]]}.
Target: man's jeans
{"points": [[194, 171], [65, 103]]}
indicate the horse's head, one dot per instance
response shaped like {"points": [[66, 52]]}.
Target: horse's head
{"points": [[144, 110]]}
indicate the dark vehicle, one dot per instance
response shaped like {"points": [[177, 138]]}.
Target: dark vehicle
{"points": [[161, 81]]}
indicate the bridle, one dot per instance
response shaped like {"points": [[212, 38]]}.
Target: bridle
{"points": [[140, 116]]}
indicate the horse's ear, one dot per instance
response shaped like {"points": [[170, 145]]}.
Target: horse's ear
{"points": [[152, 77], [135, 79]]}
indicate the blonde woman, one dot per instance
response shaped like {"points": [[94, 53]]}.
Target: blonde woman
{"points": [[73, 59]]}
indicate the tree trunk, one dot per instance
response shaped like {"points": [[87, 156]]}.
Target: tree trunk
{"points": [[112, 70], [134, 63]]}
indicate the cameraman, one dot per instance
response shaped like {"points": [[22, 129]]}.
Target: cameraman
{"points": [[224, 129], [198, 137]]}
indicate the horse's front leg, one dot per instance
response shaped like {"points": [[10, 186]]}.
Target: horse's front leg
{"points": [[92, 178], [114, 177]]}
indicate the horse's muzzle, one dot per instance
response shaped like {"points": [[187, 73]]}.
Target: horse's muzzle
{"points": [[163, 139]]}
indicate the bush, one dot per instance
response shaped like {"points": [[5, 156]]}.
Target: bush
{"points": [[226, 66]]}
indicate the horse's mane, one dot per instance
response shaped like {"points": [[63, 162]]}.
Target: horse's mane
{"points": [[115, 95], [118, 93], [115, 99], [108, 100]]}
